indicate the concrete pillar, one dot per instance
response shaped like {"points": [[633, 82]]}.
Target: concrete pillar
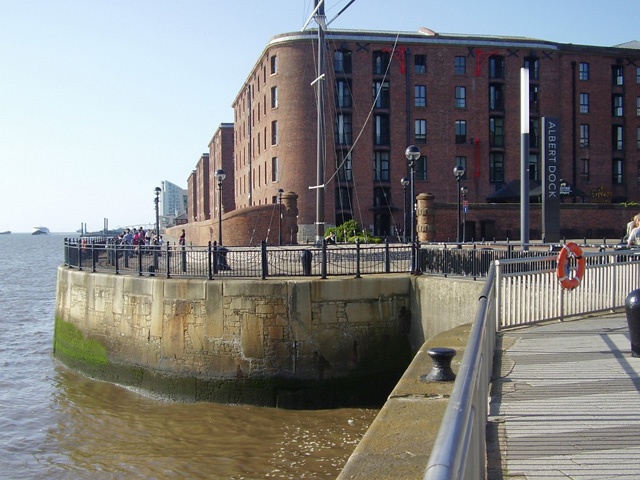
{"points": [[289, 218], [425, 214]]}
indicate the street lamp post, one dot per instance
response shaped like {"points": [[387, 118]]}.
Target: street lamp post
{"points": [[156, 200], [280, 192], [405, 183], [413, 154], [458, 172], [220, 176], [463, 191]]}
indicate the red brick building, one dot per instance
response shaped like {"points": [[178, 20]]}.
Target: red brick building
{"points": [[457, 97]]}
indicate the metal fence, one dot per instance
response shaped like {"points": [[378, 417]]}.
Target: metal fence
{"points": [[173, 260], [528, 290]]}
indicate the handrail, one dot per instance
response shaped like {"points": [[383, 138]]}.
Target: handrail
{"points": [[464, 422]]}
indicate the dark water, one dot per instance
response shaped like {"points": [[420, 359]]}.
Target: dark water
{"points": [[55, 424]]}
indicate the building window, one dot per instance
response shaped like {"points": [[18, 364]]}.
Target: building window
{"points": [[381, 166], [381, 130], [420, 93], [343, 94], [274, 65], [461, 97], [420, 64], [616, 103], [638, 106], [496, 66], [274, 97], [533, 167], [616, 137], [584, 168], [496, 132], [380, 62], [274, 132], [342, 61], [496, 167], [343, 198], [344, 166], [381, 94], [420, 131], [461, 131], [381, 197], [274, 169], [617, 73], [533, 98], [460, 66], [421, 169], [532, 63], [534, 133], [584, 71], [638, 75], [617, 176], [343, 129], [638, 137], [584, 103], [462, 162], [496, 97], [584, 135]]}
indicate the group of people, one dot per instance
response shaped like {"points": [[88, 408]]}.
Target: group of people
{"points": [[633, 231], [139, 236]]}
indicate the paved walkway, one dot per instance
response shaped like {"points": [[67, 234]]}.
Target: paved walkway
{"points": [[567, 404]]}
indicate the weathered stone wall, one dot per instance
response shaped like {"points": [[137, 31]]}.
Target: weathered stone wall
{"points": [[234, 340]]}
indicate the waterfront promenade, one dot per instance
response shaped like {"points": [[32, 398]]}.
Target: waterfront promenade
{"points": [[566, 402]]}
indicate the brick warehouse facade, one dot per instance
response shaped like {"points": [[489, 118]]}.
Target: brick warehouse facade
{"points": [[457, 97]]}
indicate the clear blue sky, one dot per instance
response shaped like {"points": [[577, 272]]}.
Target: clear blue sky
{"points": [[101, 100]]}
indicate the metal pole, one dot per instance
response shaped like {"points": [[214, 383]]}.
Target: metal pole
{"points": [[459, 216], [320, 20], [524, 158], [220, 213]]}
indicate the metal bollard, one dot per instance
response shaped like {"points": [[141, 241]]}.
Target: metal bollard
{"points": [[441, 371], [632, 309]]}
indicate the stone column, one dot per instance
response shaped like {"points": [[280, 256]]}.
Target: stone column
{"points": [[289, 218], [425, 217]]}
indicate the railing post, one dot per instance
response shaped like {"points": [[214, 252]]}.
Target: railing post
{"points": [[184, 259], [263, 259], [79, 254], [323, 267], [387, 256], [115, 246], [216, 259], [139, 260], [209, 260], [93, 257], [168, 260], [357, 258]]}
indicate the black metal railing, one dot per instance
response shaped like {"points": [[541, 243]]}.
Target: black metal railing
{"points": [[173, 260]]}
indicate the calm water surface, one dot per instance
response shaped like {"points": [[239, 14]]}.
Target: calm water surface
{"points": [[55, 424]]}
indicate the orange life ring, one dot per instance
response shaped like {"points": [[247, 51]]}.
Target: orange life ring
{"points": [[568, 281]]}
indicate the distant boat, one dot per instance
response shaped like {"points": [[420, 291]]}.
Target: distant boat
{"points": [[6, 232], [40, 231]]}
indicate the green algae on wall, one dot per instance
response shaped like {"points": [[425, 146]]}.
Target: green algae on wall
{"points": [[70, 345]]}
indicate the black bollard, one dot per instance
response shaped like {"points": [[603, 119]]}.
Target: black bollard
{"points": [[441, 371], [632, 309]]}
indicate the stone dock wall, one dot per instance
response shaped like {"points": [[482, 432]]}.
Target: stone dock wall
{"points": [[296, 343]]}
